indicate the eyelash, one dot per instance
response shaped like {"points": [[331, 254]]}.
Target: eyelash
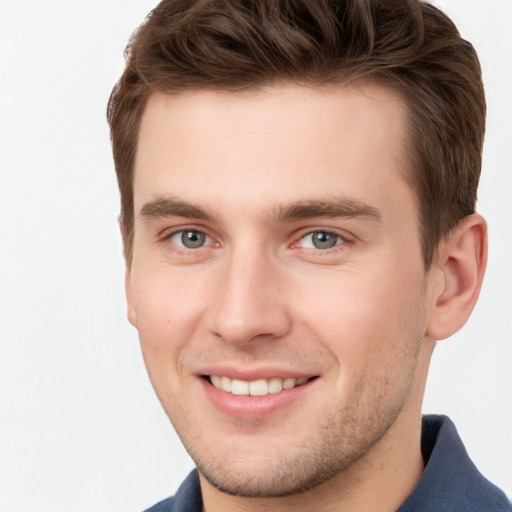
{"points": [[323, 232], [341, 241], [167, 237]]}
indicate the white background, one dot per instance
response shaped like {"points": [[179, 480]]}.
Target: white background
{"points": [[80, 428]]}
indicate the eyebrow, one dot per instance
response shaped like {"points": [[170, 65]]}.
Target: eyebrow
{"points": [[298, 210], [333, 208], [171, 207]]}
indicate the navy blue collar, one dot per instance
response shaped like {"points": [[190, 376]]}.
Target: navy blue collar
{"points": [[450, 482]]}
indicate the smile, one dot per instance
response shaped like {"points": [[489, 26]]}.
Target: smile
{"points": [[258, 387]]}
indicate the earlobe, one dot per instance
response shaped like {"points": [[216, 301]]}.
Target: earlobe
{"points": [[124, 239], [132, 317], [460, 270]]}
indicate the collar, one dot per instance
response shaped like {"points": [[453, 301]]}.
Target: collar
{"points": [[450, 481]]}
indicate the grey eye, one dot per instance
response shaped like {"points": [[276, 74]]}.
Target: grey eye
{"points": [[320, 240], [192, 239], [189, 239]]}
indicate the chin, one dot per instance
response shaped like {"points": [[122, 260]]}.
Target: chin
{"points": [[273, 481], [269, 469]]}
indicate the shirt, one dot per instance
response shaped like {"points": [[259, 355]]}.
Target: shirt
{"points": [[450, 481]]}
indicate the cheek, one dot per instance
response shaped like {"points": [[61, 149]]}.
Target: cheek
{"points": [[364, 317], [168, 310], [166, 302], [164, 324]]}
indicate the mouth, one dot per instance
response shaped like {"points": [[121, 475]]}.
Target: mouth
{"points": [[259, 387]]}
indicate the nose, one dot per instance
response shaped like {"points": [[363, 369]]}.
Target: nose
{"points": [[249, 303]]}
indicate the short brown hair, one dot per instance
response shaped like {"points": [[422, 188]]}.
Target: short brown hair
{"points": [[232, 45]]}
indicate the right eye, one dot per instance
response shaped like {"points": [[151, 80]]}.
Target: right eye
{"points": [[190, 239], [322, 240]]}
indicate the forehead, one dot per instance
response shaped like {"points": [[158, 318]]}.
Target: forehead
{"points": [[303, 141]]}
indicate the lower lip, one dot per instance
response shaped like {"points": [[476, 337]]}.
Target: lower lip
{"points": [[247, 406]]}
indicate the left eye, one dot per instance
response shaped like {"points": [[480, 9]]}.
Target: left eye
{"points": [[190, 239], [320, 240]]}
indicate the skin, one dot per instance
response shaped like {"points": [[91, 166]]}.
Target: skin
{"points": [[360, 316]]}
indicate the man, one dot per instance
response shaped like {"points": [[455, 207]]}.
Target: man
{"points": [[298, 185]]}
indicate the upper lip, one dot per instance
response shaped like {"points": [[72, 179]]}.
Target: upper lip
{"points": [[252, 373]]}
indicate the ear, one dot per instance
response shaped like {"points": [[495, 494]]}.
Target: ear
{"points": [[458, 273], [124, 238], [132, 317]]}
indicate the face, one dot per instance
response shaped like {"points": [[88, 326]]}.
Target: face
{"points": [[277, 280]]}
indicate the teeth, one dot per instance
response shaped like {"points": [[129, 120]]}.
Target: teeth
{"points": [[288, 383], [275, 385], [258, 387], [239, 387], [225, 384]]}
